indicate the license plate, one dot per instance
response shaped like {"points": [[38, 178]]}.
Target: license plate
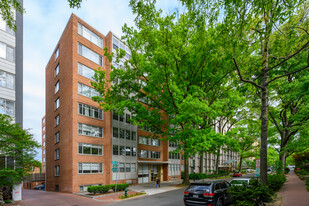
{"points": [[195, 196]]}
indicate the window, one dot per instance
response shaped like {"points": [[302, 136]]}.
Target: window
{"points": [[89, 35], [57, 120], [90, 111], [89, 54], [155, 142], [44, 146], [128, 151], [57, 154], [143, 154], [43, 136], [57, 53], [57, 70], [87, 91], [142, 140], [128, 118], [57, 103], [133, 151], [57, 170], [121, 117], [155, 155], [121, 167], [43, 159], [7, 52], [5, 27], [7, 107], [57, 87], [133, 135], [86, 71], [90, 149], [57, 137], [43, 120], [43, 128], [115, 132], [89, 130], [115, 150], [133, 167], [115, 115], [128, 167], [128, 136], [43, 149], [121, 133], [7, 80], [90, 168], [122, 150]]}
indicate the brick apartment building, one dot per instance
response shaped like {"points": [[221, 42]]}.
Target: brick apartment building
{"points": [[82, 140], [43, 145]]}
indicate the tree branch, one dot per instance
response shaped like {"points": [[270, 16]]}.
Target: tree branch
{"points": [[287, 74], [244, 80]]}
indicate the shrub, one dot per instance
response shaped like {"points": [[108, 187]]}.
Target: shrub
{"points": [[307, 183], [275, 182], [286, 170], [250, 195], [120, 187]]}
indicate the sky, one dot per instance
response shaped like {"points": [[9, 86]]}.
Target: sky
{"points": [[44, 22]]}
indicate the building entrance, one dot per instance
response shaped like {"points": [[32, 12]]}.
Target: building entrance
{"points": [[147, 173]]}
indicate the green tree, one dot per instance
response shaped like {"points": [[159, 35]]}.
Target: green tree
{"points": [[19, 148], [250, 27], [175, 72]]}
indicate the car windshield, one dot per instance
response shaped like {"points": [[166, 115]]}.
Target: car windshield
{"points": [[239, 182], [203, 188]]}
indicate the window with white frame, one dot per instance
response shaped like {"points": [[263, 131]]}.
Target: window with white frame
{"points": [[57, 103], [56, 87], [43, 136], [5, 27], [89, 54], [57, 170], [57, 120], [90, 168], [133, 167], [7, 80], [87, 91], [57, 53], [57, 154], [90, 111], [43, 150], [7, 52], [89, 130], [90, 149], [44, 159], [57, 70], [121, 167], [7, 107], [86, 71], [128, 167], [57, 137], [133, 136], [115, 132], [115, 150], [89, 35], [43, 144]]}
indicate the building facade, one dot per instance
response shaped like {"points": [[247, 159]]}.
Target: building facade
{"points": [[43, 145], [81, 140]]}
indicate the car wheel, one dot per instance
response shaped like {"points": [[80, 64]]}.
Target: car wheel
{"points": [[219, 203], [40, 188]]}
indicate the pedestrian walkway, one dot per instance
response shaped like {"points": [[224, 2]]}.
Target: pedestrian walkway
{"points": [[294, 191], [150, 188]]}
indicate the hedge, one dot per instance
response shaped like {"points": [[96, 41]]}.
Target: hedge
{"points": [[275, 182], [199, 176], [100, 189]]}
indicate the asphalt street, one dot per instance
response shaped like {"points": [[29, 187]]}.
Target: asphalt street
{"points": [[171, 198]]}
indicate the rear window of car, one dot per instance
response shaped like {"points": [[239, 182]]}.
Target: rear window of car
{"points": [[203, 188], [238, 182]]}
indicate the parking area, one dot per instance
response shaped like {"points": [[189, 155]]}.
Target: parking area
{"points": [[43, 198]]}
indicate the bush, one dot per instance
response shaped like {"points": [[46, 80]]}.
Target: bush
{"points": [[275, 182], [250, 195], [307, 183], [286, 170], [104, 188]]}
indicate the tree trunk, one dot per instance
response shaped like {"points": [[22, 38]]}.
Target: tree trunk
{"points": [[201, 162], [217, 162], [240, 163], [282, 158], [1, 197], [186, 179]]}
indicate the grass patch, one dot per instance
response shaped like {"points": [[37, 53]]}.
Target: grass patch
{"points": [[132, 195]]}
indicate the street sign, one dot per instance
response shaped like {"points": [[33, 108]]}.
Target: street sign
{"points": [[115, 164], [258, 163], [115, 169]]}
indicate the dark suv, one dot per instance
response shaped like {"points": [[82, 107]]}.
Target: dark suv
{"points": [[210, 193]]}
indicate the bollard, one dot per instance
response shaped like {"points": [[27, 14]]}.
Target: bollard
{"points": [[125, 192]]}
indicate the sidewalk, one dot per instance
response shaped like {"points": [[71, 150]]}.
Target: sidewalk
{"points": [[294, 191]]}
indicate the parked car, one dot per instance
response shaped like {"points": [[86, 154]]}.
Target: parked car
{"points": [[269, 171], [240, 181], [250, 170], [210, 193], [237, 174], [40, 187]]}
